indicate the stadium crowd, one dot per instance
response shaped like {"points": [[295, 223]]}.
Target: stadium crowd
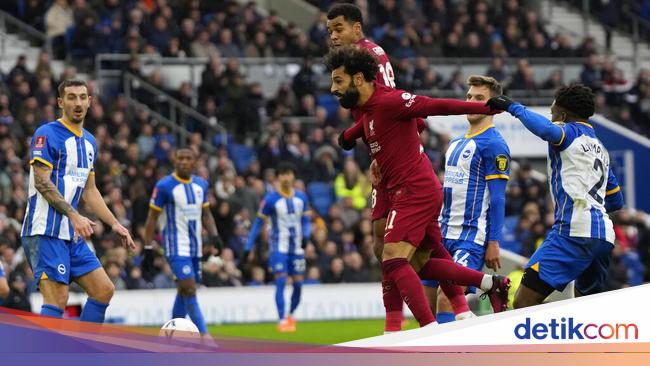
{"points": [[135, 148]]}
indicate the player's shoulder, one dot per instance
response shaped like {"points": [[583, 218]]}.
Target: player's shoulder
{"points": [[300, 194], [200, 181], [167, 182], [272, 197], [492, 140], [371, 46], [89, 136], [49, 129]]}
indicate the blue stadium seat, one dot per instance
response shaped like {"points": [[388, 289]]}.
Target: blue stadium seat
{"points": [[241, 155], [509, 238], [329, 102], [321, 196]]}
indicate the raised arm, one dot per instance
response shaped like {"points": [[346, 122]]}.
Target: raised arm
{"points": [[535, 123], [409, 106], [96, 204]]}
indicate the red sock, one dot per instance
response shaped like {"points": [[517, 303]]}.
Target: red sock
{"points": [[393, 304], [410, 288], [456, 297], [446, 270]]}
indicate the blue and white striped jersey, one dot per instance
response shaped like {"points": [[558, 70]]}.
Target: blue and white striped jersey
{"points": [[71, 155], [181, 202], [580, 178], [470, 161], [286, 216]]}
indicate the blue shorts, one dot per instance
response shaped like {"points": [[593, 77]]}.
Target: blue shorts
{"points": [[467, 254], [57, 259], [291, 264], [186, 267], [562, 259]]}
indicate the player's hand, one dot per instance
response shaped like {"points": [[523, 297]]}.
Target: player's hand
{"points": [[81, 225], [500, 103], [125, 236], [492, 260], [375, 173], [346, 145]]}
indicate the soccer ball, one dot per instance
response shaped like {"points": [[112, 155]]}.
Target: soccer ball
{"points": [[179, 328]]}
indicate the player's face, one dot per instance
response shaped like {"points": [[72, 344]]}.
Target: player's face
{"points": [[286, 180], [184, 162], [344, 89], [477, 94], [342, 32], [557, 114], [74, 103]]}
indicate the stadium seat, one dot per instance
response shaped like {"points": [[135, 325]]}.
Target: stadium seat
{"points": [[509, 241], [321, 195], [329, 102], [242, 156]]}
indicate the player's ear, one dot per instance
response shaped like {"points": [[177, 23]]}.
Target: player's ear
{"points": [[90, 100], [357, 28], [358, 79], [59, 102]]}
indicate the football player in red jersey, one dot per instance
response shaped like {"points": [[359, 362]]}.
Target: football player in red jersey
{"points": [[387, 119], [344, 24]]}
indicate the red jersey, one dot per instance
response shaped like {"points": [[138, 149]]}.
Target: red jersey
{"points": [[389, 125], [385, 75]]}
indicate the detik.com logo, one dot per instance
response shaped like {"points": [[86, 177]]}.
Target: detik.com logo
{"points": [[569, 328]]}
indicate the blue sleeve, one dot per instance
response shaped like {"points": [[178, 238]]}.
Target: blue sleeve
{"points": [[43, 147], [206, 187], [497, 160], [613, 196], [267, 206], [538, 124], [255, 230], [159, 197], [497, 189]]}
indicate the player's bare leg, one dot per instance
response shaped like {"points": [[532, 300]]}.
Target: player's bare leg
{"points": [[295, 300], [4, 289], [397, 269], [525, 297], [100, 291], [55, 297]]}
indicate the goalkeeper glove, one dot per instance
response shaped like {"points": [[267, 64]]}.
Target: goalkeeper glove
{"points": [[502, 102]]}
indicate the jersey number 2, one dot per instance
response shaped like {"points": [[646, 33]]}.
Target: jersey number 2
{"points": [[593, 192]]}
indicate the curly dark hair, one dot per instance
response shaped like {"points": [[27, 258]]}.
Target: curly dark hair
{"points": [[354, 60], [576, 99], [351, 13], [286, 167]]}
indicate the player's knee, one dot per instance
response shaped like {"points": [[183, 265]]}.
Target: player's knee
{"points": [[187, 290], [4, 289], [103, 292], [396, 250]]}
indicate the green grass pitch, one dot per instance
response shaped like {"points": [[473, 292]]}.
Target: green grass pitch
{"points": [[322, 332]]}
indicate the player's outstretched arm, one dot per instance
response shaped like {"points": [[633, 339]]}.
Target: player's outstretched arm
{"points": [[96, 204], [409, 106], [534, 122], [211, 226], [43, 184]]}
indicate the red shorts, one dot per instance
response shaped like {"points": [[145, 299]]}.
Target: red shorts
{"points": [[413, 213], [379, 203]]}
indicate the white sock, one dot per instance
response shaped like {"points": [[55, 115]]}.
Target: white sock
{"points": [[486, 282], [465, 315]]}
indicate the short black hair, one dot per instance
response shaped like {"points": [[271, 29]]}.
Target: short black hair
{"points": [[286, 167], [70, 82], [350, 12], [354, 59], [576, 99]]}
